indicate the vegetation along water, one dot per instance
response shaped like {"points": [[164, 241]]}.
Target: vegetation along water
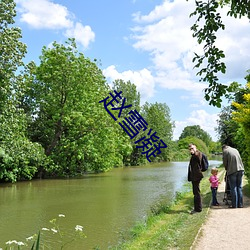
{"points": [[106, 205]]}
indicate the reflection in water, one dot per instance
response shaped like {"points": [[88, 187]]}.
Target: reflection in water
{"points": [[104, 204]]}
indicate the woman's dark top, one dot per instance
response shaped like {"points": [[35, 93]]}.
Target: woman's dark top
{"points": [[194, 169]]}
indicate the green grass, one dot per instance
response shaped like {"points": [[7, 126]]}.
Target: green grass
{"points": [[246, 188], [170, 226]]}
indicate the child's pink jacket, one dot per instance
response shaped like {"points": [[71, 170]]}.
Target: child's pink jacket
{"points": [[214, 181]]}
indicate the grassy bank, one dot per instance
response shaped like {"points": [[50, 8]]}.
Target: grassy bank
{"points": [[170, 227]]}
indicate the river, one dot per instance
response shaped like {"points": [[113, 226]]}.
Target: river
{"points": [[105, 204]]}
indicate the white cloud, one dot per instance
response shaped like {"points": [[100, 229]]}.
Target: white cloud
{"points": [[83, 34], [167, 36], [143, 80], [44, 14], [159, 12], [165, 33], [234, 41], [198, 117]]}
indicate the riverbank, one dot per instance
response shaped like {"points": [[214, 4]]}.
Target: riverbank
{"points": [[175, 228], [172, 227], [105, 204]]}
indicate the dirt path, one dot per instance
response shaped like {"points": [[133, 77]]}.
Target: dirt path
{"points": [[225, 228]]}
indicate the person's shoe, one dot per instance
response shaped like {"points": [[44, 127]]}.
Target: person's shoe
{"points": [[217, 204], [231, 206], [241, 206], [194, 212]]}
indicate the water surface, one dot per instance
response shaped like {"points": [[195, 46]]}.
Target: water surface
{"points": [[104, 204]]}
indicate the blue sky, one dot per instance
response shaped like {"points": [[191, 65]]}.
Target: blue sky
{"points": [[148, 42]]}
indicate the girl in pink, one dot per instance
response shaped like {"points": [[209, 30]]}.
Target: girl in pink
{"points": [[214, 185]]}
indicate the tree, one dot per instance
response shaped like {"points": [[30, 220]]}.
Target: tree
{"points": [[233, 123], [20, 158], [242, 117], [129, 91], [184, 142], [227, 127], [12, 50], [229, 130], [132, 96], [215, 148], [208, 23], [67, 118], [196, 131], [158, 118]]}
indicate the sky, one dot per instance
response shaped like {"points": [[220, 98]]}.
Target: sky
{"points": [[147, 42]]}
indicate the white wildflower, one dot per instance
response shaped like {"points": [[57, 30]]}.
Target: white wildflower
{"points": [[61, 215], [54, 230], [10, 242], [29, 238], [78, 228], [45, 229], [20, 243]]}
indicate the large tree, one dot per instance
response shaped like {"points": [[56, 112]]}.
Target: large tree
{"points": [[240, 113], [196, 131], [158, 118], [227, 127], [184, 142], [12, 51], [66, 117], [132, 99], [129, 91], [19, 157], [211, 63], [229, 130]]}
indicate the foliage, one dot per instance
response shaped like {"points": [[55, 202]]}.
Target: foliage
{"points": [[196, 131], [12, 50], [231, 124], [181, 154], [237, 8], [129, 91], [227, 128], [66, 116], [215, 148], [241, 115], [20, 158], [132, 96], [201, 146], [205, 28], [158, 118]]}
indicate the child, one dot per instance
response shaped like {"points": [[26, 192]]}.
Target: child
{"points": [[214, 185]]}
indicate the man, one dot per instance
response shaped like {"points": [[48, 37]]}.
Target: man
{"points": [[195, 175], [235, 169]]}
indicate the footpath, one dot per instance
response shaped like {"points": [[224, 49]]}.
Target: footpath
{"points": [[225, 228]]}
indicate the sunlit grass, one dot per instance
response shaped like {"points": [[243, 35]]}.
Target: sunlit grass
{"points": [[170, 226]]}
